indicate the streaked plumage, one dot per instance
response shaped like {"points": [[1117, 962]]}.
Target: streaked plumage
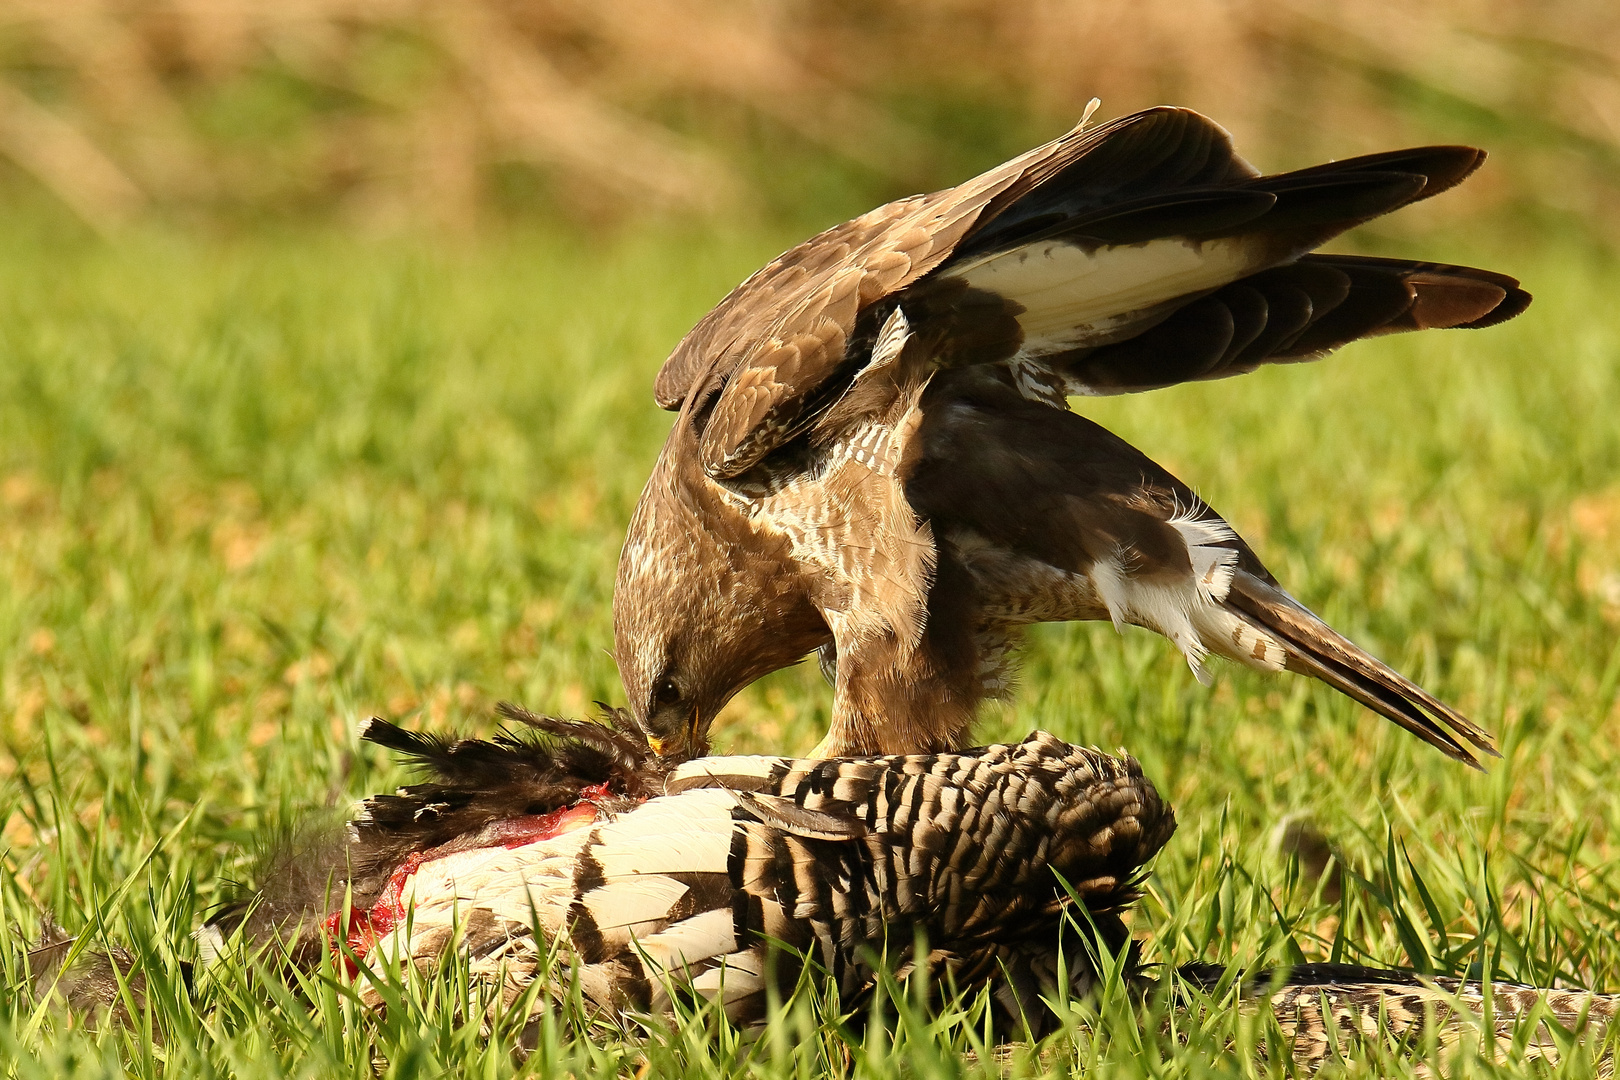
{"points": [[651, 894], [874, 455]]}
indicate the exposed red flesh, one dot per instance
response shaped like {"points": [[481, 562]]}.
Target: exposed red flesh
{"points": [[370, 925]]}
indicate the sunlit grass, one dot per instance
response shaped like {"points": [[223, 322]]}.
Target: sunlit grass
{"points": [[254, 491]]}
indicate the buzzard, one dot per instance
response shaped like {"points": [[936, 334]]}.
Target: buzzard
{"points": [[874, 455]]}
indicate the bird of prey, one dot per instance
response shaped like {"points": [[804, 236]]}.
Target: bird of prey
{"points": [[874, 455], [653, 883]]}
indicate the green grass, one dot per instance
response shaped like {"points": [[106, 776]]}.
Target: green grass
{"points": [[252, 491]]}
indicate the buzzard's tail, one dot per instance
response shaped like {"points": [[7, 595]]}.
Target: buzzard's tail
{"points": [[1314, 648]]}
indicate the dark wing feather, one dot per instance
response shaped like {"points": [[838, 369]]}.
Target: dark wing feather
{"points": [[777, 351], [785, 331], [1139, 158], [1299, 311], [1157, 151]]}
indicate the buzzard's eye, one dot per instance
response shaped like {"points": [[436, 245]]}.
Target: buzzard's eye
{"points": [[666, 692]]}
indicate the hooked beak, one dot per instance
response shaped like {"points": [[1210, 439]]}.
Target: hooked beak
{"points": [[682, 748]]}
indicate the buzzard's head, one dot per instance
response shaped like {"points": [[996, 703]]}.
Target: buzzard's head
{"points": [[704, 605]]}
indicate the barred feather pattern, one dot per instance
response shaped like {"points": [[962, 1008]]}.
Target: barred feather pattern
{"points": [[839, 860], [1327, 1011], [652, 884]]}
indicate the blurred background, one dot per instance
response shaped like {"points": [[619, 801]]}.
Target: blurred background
{"points": [[465, 113], [327, 327], [327, 336]]}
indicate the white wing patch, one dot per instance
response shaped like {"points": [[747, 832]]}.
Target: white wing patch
{"points": [[733, 978], [690, 941], [1076, 295], [671, 834], [635, 905]]}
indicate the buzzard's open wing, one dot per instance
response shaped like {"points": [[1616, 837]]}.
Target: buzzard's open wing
{"points": [[889, 248], [1138, 253]]}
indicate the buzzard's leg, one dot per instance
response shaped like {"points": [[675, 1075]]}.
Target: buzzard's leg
{"points": [[892, 699]]}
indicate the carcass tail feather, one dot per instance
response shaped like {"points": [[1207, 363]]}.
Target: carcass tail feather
{"points": [[1325, 1011]]}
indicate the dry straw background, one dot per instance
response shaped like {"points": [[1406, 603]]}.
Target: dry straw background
{"points": [[399, 111]]}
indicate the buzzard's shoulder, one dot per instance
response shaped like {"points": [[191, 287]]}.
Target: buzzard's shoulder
{"points": [[718, 343]]}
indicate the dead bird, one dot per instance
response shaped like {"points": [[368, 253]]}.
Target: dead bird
{"points": [[656, 875], [657, 882]]}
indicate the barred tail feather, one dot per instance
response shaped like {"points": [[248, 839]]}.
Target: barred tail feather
{"points": [[1324, 1010]]}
